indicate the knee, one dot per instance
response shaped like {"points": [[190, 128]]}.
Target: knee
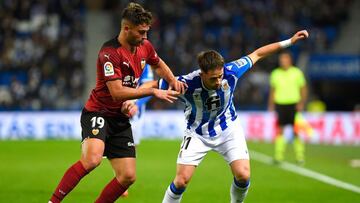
{"points": [[181, 181], [243, 173], [126, 178], [91, 162]]}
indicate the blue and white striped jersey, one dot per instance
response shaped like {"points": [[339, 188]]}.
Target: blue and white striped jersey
{"points": [[209, 112]]}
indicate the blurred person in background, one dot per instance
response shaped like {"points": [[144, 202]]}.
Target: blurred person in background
{"points": [[106, 131], [137, 114], [287, 96], [137, 120], [212, 123]]}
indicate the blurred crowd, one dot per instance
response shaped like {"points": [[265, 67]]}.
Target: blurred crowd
{"points": [[42, 43], [41, 54], [236, 28]]}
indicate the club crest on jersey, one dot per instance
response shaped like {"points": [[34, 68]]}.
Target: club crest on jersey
{"points": [[95, 131], [108, 69], [225, 85], [143, 63]]}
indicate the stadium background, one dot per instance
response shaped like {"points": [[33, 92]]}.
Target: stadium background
{"points": [[48, 51]]}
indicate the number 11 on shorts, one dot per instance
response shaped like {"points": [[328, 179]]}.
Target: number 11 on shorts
{"points": [[186, 142]]}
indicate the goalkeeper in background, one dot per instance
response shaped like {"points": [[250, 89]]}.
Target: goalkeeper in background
{"points": [[287, 96]]}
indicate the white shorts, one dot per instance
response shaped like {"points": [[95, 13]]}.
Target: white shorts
{"points": [[137, 123], [231, 144]]}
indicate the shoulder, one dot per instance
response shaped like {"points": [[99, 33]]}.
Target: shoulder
{"points": [[112, 43], [192, 76], [296, 70], [108, 51]]}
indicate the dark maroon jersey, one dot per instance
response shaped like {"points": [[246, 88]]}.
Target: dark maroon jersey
{"points": [[117, 63]]}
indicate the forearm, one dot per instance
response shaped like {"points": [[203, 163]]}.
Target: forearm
{"points": [[126, 93], [274, 47], [265, 51], [150, 84], [164, 71]]}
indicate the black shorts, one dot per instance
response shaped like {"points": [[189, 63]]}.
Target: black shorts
{"points": [[286, 114], [115, 132]]}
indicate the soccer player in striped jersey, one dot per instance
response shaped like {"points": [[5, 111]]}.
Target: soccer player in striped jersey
{"points": [[212, 123]]}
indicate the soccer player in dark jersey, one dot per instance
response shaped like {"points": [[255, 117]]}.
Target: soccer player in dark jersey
{"points": [[106, 130]]}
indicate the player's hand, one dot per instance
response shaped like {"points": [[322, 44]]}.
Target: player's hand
{"points": [[167, 95], [129, 108], [178, 86], [303, 34]]}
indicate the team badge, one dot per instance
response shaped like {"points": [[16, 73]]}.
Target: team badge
{"points": [[225, 85], [108, 69], [143, 63], [95, 131]]}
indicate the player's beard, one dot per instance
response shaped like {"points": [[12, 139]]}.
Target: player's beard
{"points": [[134, 42]]}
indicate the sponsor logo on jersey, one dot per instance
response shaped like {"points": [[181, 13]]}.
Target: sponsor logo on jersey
{"points": [[108, 69], [229, 67], [131, 144], [143, 63], [126, 64], [95, 131], [107, 56], [130, 81]]}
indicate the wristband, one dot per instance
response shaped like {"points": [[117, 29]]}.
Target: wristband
{"points": [[285, 43]]}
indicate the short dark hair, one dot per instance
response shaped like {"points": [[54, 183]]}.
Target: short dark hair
{"points": [[136, 14], [210, 60]]}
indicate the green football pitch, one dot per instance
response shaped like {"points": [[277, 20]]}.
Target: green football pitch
{"points": [[30, 170]]}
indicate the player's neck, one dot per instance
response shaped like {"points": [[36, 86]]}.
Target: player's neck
{"points": [[121, 39]]}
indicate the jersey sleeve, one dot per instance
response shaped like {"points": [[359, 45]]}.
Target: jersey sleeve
{"points": [[109, 62], [240, 66], [153, 58]]}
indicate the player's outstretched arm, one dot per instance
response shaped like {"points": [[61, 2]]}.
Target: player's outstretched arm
{"points": [[122, 93], [274, 47]]}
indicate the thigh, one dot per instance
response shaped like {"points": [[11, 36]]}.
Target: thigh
{"points": [[234, 145], [92, 151], [192, 150]]}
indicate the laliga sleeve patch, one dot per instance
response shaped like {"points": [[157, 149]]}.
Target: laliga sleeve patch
{"points": [[108, 69], [241, 62]]}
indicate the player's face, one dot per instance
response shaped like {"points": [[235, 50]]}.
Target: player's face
{"points": [[137, 34], [213, 78], [285, 60]]}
